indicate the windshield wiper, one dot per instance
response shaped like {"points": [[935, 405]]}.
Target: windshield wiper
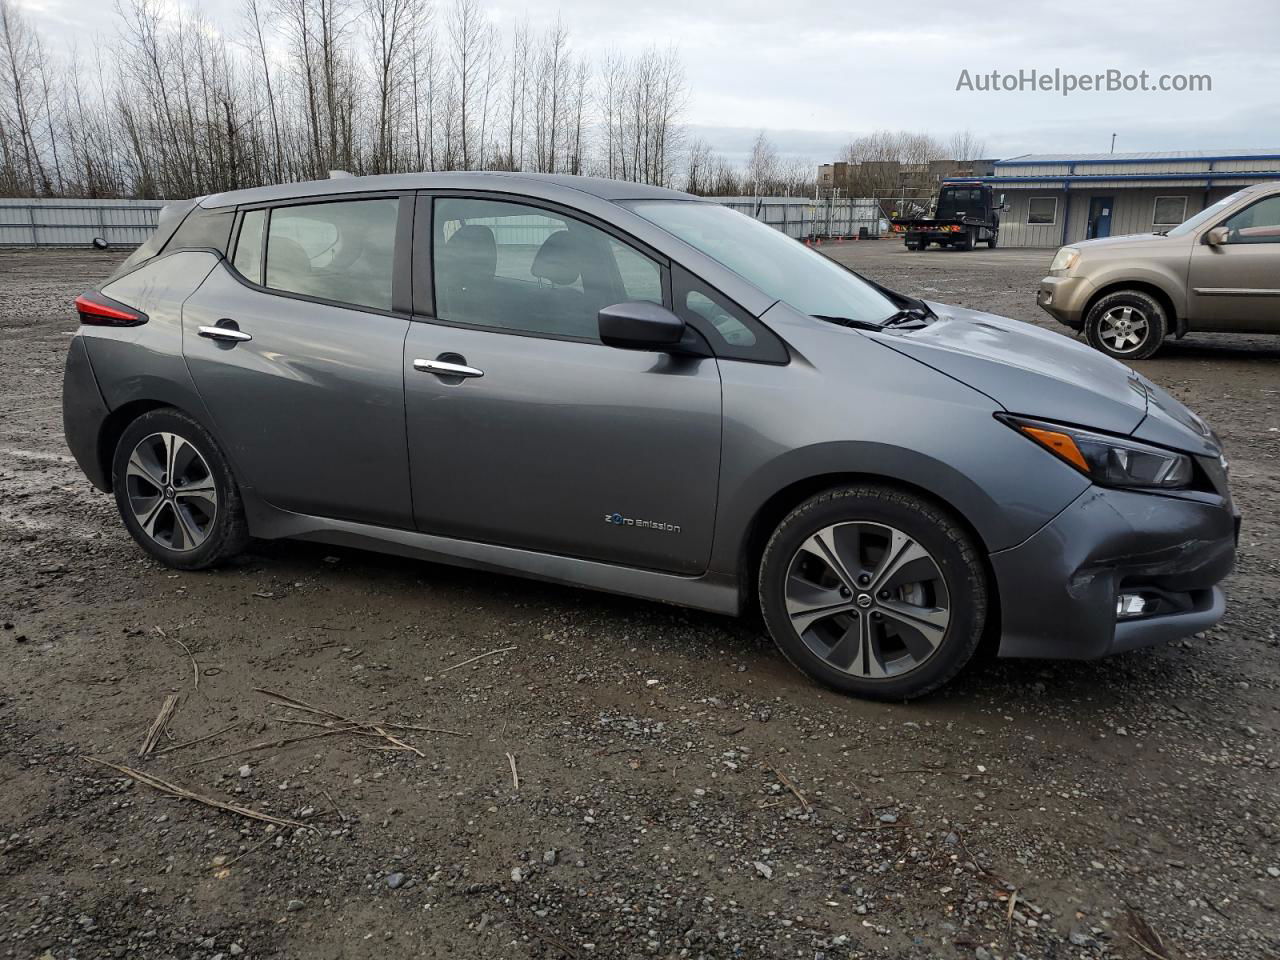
{"points": [[848, 322], [913, 315]]}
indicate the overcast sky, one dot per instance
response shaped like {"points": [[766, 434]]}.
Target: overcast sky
{"points": [[816, 73]]}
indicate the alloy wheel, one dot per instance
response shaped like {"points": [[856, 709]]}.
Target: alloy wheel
{"points": [[1123, 329], [867, 599], [171, 491]]}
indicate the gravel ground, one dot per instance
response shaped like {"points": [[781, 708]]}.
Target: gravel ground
{"points": [[682, 792]]}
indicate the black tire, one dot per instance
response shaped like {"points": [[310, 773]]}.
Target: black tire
{"points": [[966, 241], [955, 560], [189, 529], [992, 240], [1102, 330]]}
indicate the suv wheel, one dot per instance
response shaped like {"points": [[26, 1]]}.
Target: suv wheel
{"points": [[874, 592], [1127, 325], [175, 492]]}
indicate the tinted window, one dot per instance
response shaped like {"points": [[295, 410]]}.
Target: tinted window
{"points": [[342, 251], [524, 268], [1256, 223], [248, 259], [202, 230]]}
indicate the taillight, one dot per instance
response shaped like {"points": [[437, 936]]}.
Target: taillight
{"points": [[97, 310]]}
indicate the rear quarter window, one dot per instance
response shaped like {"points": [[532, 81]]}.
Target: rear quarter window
{"points": [[203, 230]]}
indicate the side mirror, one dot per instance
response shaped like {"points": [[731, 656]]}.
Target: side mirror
{"points": [[640, 325], [1217, 236]]}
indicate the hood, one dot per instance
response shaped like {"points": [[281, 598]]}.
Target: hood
{"points": [[1027, 370], [1128, 241]]}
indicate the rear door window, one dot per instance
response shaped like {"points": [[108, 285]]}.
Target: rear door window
{"points": [[342, 251]]}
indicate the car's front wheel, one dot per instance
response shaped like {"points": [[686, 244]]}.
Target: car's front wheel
{"points": [[1127, 325], [874, 591], [176, 493]]}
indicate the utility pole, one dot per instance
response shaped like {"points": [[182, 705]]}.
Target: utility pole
{"points": [[1113, 143]]}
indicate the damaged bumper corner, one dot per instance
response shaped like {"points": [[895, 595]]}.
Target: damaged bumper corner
{"points": [[1058, 589]]}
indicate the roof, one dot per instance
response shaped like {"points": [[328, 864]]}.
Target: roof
{"points": [[1153, 157], [542, 183]]}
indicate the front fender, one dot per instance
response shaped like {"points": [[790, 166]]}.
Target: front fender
{"points": [[871, 412]]}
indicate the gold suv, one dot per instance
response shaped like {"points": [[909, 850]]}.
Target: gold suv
{"points": [[1217, 272]]}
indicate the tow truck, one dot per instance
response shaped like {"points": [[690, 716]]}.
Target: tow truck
{"points": [[965, 213]]}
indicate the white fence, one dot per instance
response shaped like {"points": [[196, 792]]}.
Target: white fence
{"points": [[74, 223], [127, 223]]}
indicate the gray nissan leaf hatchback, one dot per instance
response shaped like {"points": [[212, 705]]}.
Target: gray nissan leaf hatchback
{"points": [[630, 389]]}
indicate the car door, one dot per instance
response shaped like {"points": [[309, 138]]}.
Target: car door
{"points": [[295, 345], [536, 435], [1236, 285]]}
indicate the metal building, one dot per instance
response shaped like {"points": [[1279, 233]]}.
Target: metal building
{"points": [[1061, 198]]}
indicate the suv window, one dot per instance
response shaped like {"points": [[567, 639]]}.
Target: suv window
{"points": [[518, 267], [1257, 223], [340, 250]]}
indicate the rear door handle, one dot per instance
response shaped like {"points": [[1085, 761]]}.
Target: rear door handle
{"points": [[225, 334], [442, 368]]}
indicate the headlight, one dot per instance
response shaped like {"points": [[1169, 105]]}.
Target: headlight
{"points": [[1064, 259], [1112, 461]]}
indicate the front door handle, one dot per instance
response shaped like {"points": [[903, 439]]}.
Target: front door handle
{"points": [[443, 368], [224, 334]]}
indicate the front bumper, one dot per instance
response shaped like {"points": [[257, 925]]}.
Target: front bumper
{"points": [[1064, 299], [1058, 589]]}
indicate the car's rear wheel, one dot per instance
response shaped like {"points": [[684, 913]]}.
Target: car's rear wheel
{"points": [[993, 240], [966, 240], [176, 493], [874, 591], [1127, 325]]}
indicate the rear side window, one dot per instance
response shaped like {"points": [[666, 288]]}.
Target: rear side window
{"points": [[248, 258], [342, 251], [203, 230]]}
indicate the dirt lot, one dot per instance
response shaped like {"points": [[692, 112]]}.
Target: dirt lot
{"points": [[1121, 801]]}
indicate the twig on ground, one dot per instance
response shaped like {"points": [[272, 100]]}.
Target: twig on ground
{"points": [[1147, 939], [369, 727], [158, 726], [515, 777], [192, 743], [195, 667], [271, 744], [336, 809], [254, 849], [182, 793], [489, 653], [786, 782]]}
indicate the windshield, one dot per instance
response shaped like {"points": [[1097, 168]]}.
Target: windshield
{"points": [[1208, 213], [781, 267]]}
